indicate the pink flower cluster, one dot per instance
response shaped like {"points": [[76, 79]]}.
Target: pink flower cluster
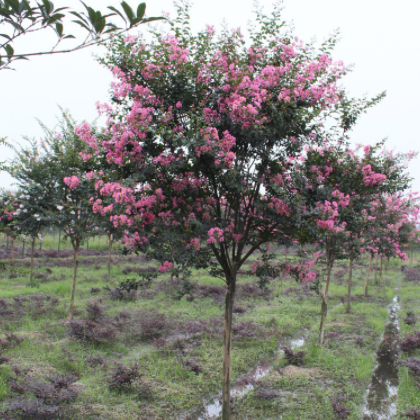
{"points": [[72, 182], [167, 266]]}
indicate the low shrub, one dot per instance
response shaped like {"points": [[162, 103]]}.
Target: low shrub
{"points": [[191, 364], [411, 318], [90, 331], [412, 274], [264, 391], [411, 342], [339, 408], [292, 357], [412, 413], [123, 376]]}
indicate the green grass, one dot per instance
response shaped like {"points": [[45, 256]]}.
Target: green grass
{"points": [[344, 366]]}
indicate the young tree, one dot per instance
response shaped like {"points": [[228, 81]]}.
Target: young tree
{"points": [[56, 189], [337, 186], [204, 131], [392, 219], [21, 18], [34, 200], [74, 190]]}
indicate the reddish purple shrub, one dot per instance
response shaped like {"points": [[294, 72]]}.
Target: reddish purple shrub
{"points": [[95, 311], [411, 318], [412, 274], [340, 410], [411, 342], [90, 331], [412, 413], [292, 357], [264, 391], [153, 325], [192, 365], [123, 376]]}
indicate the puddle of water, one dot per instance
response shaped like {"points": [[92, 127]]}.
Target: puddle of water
{"points": [[381, 398], [214, 408]]}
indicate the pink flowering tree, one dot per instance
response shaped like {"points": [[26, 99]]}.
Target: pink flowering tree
{"points": [[392, 228], [337, 185], [54, 188], [34, 196], [204, 129]]}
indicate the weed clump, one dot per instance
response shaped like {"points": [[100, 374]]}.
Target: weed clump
{"points": [[411, 342], [153, 325], [90, 331], [95, 311], [41, 400], [191, 364], [339, 408], [292, 357], [412, 274], [411, 318], [412, 413], [264, 391], [413, 365], [123, 376]]}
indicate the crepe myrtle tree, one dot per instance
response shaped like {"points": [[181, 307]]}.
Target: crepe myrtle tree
{"points": [[20, 19], [392, 228], [337, 186], [35, 197], [8, 206], [203, 129], [74, 187]]}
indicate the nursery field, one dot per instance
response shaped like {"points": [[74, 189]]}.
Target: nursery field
{"points": [[146, 354]]}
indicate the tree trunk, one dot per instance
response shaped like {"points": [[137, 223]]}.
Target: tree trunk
{"points": [[349, 286], [73, 290], [380, 272], [12, 256], [40, 245], [376, 268], [287, 252], [324, 306], [227, 348], [59, 240], [7, 242], [368, 274], [23, 249], [109, 254], [32, 260]]}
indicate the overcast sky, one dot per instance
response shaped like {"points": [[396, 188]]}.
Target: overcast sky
{"points": [[381, 38]]}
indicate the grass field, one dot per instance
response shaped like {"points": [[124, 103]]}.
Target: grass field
{"points": [[177, 344]]}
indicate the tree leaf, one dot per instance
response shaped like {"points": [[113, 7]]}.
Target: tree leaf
{"points": [[151, 19], [9, 50], [5, 36], [91, 12], [100, 25], [47, 6], [5, 12], [59, 28], [141, 10], [118, 13], [17, 26], [13, 4], [128, 11], [79, 22], [79, 16], [69, 36]]}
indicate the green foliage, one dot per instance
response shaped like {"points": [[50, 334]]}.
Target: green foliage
{"points": [[18, 19]]}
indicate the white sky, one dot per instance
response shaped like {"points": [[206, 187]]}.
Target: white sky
{"points": [[381, 38]]}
